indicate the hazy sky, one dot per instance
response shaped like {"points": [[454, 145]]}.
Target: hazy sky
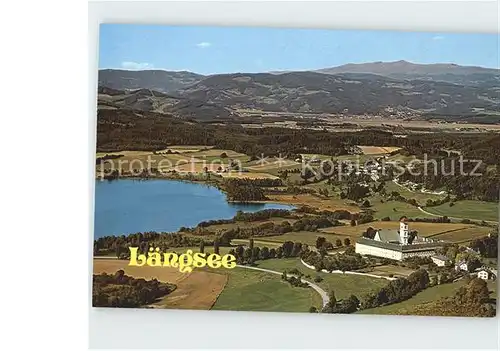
{"points": [[209, 50]]}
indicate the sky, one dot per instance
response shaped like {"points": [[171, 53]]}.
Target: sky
{"points": [[211, 50]]}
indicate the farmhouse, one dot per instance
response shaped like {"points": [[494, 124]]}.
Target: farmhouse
{"points": [[396, 244], [461, 266], [485, 274], [440, 260]]}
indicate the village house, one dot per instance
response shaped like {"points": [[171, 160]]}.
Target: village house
{"points": [[485, 274], [440, 260], [461, 266]]}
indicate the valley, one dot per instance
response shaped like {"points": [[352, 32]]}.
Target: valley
{"points": [[290, 172]]}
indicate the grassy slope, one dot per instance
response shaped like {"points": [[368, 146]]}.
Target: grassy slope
{"points": [[249, 290], [431, 294], [478, 210], [342, 285], [420, 197]]}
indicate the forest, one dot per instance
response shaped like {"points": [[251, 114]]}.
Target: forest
{"points": [[120, 290], [136, 130], [471, 300]]}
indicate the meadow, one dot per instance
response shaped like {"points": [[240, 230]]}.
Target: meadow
{"points": [[249, 290], [469, 209], [342, 284]]}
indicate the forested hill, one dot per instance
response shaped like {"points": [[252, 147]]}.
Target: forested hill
{"points": [[353, 93]]}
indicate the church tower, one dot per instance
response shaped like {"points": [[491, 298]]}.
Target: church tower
{"points": [[404, 232]]}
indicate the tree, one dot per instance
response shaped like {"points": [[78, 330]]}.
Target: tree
{"points": [[239, 251], [272, 253], [319, 242], [332, 299], [338, 243], [216, 246], [255, 253], [202, 246], [247, 255], [347, 242], [264, 253], [118, 251], [306, 174], [250, 243]]}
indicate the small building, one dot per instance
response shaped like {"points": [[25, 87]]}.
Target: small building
{"points": [[461, 266], [484, 274], [440, 260]]}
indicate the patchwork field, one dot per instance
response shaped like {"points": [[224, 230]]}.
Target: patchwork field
{"points": [[196, 290], [248, 175], [218, 154], [142, 160], [271, 164], [314, 201], [377, 150], [186, 148], [474, 210]]}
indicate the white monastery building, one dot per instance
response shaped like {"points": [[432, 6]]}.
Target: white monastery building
{"points": [[397, 244]]}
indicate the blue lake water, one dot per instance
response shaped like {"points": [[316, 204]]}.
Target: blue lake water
{"points": [[128, 206]]}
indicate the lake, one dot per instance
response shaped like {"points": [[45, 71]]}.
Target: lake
{"points": [[128, 206]]}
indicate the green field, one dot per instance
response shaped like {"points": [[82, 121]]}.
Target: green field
{"points": [[428, 295], [342, 284], [304, 237], [249, 290], [469, 209], [464, 235], [431, 294], [241, 224], [394, 209], [420, 197]]}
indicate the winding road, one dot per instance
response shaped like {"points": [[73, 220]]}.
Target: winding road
{"points": [[321, 292]]}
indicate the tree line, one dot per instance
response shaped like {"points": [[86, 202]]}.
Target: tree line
{"points": [[397, 290], [139, 130], [347, 261], [120, 290]]}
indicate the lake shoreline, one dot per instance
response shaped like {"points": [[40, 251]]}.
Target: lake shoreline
{"points": [[123, 208]]}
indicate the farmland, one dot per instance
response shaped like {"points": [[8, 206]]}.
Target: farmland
{"points": [[185, 296], [378, 150]]}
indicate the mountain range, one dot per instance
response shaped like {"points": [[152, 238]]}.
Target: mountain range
{"points": [[446, 72], [438, 89]]}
